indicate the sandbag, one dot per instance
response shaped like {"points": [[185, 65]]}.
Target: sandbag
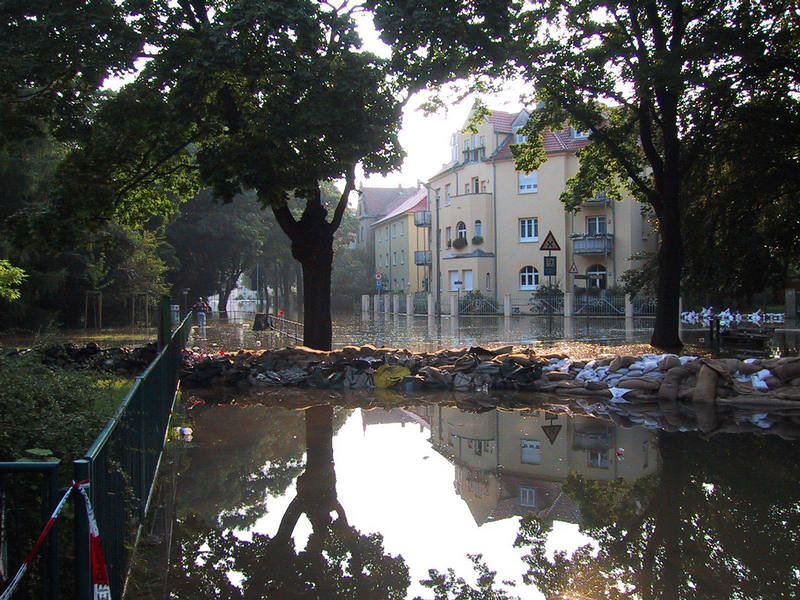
{"points": [[387, 376]]}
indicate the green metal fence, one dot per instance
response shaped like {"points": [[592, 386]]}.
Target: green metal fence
{"points": [[122, 465]]}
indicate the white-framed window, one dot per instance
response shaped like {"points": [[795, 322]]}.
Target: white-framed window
{"points": [[598, 459], [528, 278], [527, 496], [448, 236], [597, 277], [518, 137], [488, 281], [466, 188], [529, 229], [474, 140], [403, 285], [402, 229], [475, 185], [394, 230], [402, 257], [479, 228], [531, 452], [453, 277], [461, 230], [579, 135], [466, 279], [528, 183], [596, 225], [394, 258], [447, 196]]}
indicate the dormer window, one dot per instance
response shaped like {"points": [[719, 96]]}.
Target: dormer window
{"points": [[518, 137], [579, 135]]}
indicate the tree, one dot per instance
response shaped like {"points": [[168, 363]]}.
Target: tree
{"points": [[215, 243], [11, 278], [713, 523], [245, 95], [650, 81]]}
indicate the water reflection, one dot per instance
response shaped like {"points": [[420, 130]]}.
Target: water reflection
{"points": [[662, 515]]}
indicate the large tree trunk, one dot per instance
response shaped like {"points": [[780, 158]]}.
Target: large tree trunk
{"points": [[315, 254], [670, 262]]}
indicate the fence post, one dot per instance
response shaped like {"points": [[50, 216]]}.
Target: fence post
{"points": [[164, 326], [506, 305], [365, 303], [83, 578], [395, 303], [569, 304], [453, 305], [409, 304], [376, 300], [431, 307], [628, 306]]}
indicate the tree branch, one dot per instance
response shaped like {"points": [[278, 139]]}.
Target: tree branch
{"points": [[350, 185], [285, 219]]}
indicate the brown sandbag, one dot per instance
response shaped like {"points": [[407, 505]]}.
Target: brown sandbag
{"points": [[644, 383], [621, 362], [787, 368], [705, 390], [558, 376], [669, 362], [668, 390], [706, 416]]}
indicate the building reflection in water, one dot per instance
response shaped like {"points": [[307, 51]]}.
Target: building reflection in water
{"points": [[514, 463]]}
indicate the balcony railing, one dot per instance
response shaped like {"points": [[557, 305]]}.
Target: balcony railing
{"points": [[422, 257], [474, 154], [600, 243], [601, 199], [422, 218], [591, 439]]}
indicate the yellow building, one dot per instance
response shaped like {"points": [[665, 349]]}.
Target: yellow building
{"points": [[491, 221], [396, 241]]}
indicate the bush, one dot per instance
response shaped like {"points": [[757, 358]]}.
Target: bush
{"points": [[459, 243], [477, 240], [48, 408]]}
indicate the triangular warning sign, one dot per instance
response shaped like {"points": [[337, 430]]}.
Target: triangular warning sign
{"points": [[551, 431], [550, 243], [573, 269]]}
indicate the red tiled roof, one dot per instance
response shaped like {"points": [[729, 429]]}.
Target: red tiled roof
{"points": [[378, 201], [554, 141], [501, 120], [418, 201]]}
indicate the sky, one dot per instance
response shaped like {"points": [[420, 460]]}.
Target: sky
{"points": [[426, 138]]}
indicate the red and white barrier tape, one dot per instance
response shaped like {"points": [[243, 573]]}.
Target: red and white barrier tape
{"points": [[101, 589]]}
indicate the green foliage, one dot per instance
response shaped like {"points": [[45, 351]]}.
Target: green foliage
{"points": [[48, 407], [11, 278], [477, 240], [352, 276], [549, 290], [447, 586], [459, 243]]}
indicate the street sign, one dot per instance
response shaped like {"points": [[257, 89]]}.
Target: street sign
{"points": [[458, 283], [549, 265], [378, 276], [574, 268], [378, 285], [551, 431], [550, 243]]}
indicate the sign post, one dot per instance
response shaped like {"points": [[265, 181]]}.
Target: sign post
{"points": [[550, 244]]}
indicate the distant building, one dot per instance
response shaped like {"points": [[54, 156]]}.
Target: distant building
{"points": [[397, 242], [490, 220]]}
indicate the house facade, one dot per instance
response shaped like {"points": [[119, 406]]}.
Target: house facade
{"points": [[397, 239], [491, 222]]}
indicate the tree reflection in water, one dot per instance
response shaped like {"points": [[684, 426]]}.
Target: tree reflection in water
{"points": [[720, 520], [337, 561]]}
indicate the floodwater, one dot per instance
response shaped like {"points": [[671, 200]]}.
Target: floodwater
{"points": [[362, 500], [426, 334]]}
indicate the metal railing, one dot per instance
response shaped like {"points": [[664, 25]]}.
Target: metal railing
{"points": [[293, 330], [122, 464], [468, 305], [420, 303], [644, 306], [601, 243], [533, 303], [600, 304]]}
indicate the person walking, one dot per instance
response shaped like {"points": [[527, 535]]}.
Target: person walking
{"points": [[200, 308]]}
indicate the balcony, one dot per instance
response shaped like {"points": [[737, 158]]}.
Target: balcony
{"points": [[591, 439], [422, 218], [601, 199], [475, 154], [422, 257], [586, 244]]}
